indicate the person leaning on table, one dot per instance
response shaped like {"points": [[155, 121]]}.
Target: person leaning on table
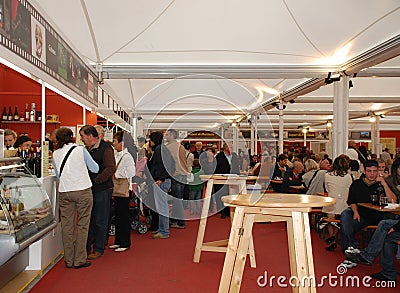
{"points": [[355, 218], [75, 196]]}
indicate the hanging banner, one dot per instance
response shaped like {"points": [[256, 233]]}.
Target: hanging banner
{"points": [[27, 34]]}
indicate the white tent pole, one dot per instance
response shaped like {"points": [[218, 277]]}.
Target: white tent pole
{"points": [[252, 140], [255, 134], [281, 128], [375, 141], [340, 116]]}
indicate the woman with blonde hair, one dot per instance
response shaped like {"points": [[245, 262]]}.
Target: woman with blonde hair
{"points": [[314, 178]]}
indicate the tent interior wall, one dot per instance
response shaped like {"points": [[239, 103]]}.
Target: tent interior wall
{"points": [[205, 65]]}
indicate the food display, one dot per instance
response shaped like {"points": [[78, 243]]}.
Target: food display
{"points": [[25, 212]]}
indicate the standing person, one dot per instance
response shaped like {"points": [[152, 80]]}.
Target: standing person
{"points": [[141, 162], [159, 165], [75, 196], [125, 170], [196, 187], [102, 188], [179, 178], [227, 163], [199, 150], [189, 164], [337, 183]]}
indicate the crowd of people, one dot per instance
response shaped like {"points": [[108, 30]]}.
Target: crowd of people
{"points": [[91, 175]]}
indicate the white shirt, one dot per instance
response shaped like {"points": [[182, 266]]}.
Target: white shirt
{"points": [[126, 168]]}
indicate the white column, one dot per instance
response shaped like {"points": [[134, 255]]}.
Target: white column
{"points": [[281, 128], [376, 146], [255, 135], [340, 116], [84, 116], [235, 138], [43, 126], [252, 138]]}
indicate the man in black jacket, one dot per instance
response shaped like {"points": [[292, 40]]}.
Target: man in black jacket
{"points": [[293, 177], [160, 167], [102, 189], [227, 163]]}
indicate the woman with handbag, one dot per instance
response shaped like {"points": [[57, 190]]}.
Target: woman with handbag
{"points": [[122, 179], [71, 164]]}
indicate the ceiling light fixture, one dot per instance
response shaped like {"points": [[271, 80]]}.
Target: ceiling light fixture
{"points": [[332, 77]]}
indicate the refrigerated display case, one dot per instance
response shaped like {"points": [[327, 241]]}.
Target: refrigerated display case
{"points": [[26, 213]]}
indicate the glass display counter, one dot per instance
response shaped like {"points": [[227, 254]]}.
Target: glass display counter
{"points": [[26, 213]]}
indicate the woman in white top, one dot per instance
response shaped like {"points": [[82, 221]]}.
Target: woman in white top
{"points": [[75, 196], [337, 184], [125, 169]]}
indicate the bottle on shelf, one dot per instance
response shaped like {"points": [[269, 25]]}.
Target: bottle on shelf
{"points": [[16, 115], [27, 113], [32, 112], [22, 116], [4, 116], [10, 114]]}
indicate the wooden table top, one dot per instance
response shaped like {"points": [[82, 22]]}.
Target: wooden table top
{"points": [[276, 181], [299, 187], [227, 177], [278, 200], [379, 208], [322, 193]]}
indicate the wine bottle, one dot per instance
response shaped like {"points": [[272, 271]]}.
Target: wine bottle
{"points": [[4, 116], [22, 116], [10, 114], [27, 114], [16, 115]]}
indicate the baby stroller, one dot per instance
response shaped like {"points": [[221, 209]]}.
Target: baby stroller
{"points": [[139, 212], [139, 215]]}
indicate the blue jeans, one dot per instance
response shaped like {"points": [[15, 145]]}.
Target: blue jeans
{"points": [[349, 228], [385, 244], [387, 255], [195, 197], [161, 203], [98, 227], [177, 190]]}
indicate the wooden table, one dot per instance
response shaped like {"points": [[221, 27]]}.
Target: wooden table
{"points": [[379, 208], [322, 193], [219, 245], [293, 209]]}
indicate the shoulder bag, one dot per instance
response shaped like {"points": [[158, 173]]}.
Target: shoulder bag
{"points": [[65, 158], [121, 185]]}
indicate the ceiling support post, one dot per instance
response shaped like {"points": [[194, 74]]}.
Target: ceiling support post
{"points": [[340, 116]]}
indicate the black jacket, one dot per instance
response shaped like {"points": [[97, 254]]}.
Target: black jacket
{"points": [[223, 166], [161, 165]]}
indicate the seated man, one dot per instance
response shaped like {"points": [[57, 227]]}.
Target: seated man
{"points": [[355, 218], [293, 177], [279, 171], [383, 242]]}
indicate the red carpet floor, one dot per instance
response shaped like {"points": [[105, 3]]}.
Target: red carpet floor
{"points": [[165, 265]]}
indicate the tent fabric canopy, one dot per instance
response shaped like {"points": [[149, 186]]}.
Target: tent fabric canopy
{"points": [[163, 57]]}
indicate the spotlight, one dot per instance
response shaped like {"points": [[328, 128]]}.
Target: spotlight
{"points": [[292, 101], [332, 77], [382, 116], [278, 107], [139, 118], [350, 84], [372, 119], [329, 124]]}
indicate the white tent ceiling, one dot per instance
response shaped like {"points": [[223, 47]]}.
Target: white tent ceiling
{"points": [[209, 62]]}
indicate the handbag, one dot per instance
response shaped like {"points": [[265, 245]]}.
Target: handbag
{"points": [[121, 185]]}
